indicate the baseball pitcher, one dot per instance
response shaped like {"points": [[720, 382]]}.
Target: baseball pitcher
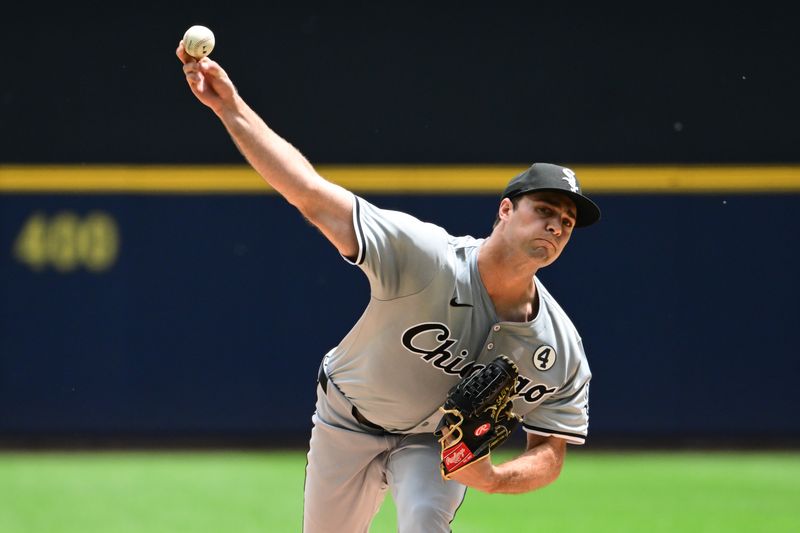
{"points": [[459, 343]]}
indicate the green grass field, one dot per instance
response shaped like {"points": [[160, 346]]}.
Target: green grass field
{"points": [[116, 492]]}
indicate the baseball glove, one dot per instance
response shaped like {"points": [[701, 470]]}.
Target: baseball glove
{"points": [[477, 415]]}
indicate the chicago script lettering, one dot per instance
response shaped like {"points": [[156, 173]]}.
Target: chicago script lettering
{"points": [[438, 354]]}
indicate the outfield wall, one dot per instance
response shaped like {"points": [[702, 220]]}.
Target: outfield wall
{"points": [[154, 302]]}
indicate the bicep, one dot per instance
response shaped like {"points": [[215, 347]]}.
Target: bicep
{"points": [[551, 449], [329, 207]]}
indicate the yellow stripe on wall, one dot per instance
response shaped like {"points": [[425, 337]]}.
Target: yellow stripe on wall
{"points": [[410, 179]]}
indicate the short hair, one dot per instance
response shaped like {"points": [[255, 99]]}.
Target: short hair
{"points": [[514, 203]]}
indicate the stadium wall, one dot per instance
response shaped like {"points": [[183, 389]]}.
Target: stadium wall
{"points": [[193, 304]]}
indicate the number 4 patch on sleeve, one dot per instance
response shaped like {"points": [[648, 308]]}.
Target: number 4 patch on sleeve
{"points": [[544, 357]]}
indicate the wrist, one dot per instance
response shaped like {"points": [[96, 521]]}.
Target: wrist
{"points": [[231, 110]]}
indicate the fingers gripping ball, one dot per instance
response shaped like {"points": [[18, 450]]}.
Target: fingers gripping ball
{"points": [[198, 41], [477, 415]]}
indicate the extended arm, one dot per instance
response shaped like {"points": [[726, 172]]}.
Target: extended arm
{"points": [[326, 205], [538, 466]]}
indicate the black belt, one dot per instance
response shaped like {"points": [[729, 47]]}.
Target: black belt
{"points": [[322, 377]]}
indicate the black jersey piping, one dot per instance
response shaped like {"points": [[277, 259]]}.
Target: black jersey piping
{"points": [[359, 233]]}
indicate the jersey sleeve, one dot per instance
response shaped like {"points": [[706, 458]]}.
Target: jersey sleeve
{"points": [[399, 253], [565, 414]]}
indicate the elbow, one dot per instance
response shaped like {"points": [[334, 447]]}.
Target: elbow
{"points": [[556, 451], [549, 470], [556, 465], [554, 472], [524, 481]]}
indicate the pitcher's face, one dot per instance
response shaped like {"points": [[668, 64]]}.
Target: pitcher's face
{"points": [[541, 224]]}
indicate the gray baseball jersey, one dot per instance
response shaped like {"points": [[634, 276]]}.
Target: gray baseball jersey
{"points": [[430, 321]]}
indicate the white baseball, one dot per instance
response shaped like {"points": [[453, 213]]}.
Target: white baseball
{"points": [[198, 41]]}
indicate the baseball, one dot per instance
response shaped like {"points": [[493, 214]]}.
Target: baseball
{"points": [[198, 41]]}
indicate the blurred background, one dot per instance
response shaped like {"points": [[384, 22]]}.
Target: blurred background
{"points": [[157, 297], [153, 292]]}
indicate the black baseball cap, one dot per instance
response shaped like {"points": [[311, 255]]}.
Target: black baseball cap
{"points": [[549, 177]]}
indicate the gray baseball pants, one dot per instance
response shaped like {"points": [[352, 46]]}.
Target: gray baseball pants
{"points": [[351, 466]]}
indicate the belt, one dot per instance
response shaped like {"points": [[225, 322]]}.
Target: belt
{"points": [[322, 377]]}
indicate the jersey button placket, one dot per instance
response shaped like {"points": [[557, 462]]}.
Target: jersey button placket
{"points": [[490, 345]]}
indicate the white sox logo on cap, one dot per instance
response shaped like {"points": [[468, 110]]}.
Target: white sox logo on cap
{"points": [[544, 357], [570, 178]]}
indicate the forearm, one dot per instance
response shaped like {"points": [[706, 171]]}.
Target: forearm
{"points": [[532, 470], [276, 160], [538, 466], [323, 203]]}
